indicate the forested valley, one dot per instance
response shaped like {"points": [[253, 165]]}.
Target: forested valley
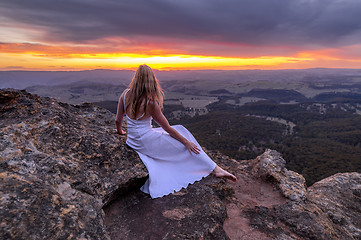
{"points": [[325, 139]]}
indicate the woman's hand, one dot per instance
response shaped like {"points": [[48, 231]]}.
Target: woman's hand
{"points": [[192, 147]]}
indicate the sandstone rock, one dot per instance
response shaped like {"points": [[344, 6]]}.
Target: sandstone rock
{"points": [[256, 208], [271, 166], [330, 211], [339, 197], [60, 164], [193, 213]]}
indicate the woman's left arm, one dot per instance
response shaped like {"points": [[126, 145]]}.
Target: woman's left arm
{"points": [[158, 116], [120, 115]]}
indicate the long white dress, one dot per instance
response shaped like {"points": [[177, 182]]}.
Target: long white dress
{"points": [[170, 165]]}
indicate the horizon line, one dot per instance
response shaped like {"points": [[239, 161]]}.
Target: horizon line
{"points": [[174, 70]]}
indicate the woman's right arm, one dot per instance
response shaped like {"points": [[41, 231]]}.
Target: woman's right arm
{"points": [[120, 115], [158, 116]]}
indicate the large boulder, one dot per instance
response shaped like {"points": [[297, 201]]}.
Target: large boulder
{"points": [[339, 198], [60, 165], [273, 203]]}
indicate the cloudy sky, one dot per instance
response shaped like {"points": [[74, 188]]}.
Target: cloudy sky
{"points": [[179, 34]]}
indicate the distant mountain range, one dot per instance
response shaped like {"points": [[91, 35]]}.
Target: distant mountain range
{"points": [[24, 79]]}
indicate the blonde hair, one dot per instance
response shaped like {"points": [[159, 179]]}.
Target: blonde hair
{"points": [[144, 87]]}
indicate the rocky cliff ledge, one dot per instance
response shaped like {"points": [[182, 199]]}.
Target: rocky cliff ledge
{"points": [[61, 167]]}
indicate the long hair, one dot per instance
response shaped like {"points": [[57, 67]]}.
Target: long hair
{"points": [[143, 87]]}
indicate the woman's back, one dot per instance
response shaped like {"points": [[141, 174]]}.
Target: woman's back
{"points": [[128, 107]]}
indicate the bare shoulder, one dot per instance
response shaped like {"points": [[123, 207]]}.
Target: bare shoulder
{"points": [[123, 93], [153, 105]]}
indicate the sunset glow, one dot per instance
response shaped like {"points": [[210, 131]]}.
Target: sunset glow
{"points": [[18, 56], [35, 61], [56, 37]]}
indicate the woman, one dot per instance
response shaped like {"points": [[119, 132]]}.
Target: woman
{"points": [[163, 150]]}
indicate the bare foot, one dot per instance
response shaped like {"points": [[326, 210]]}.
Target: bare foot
{"points": [[219, 172]]}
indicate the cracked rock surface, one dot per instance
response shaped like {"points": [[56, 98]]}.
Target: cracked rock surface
{"points": [[59, 165]]}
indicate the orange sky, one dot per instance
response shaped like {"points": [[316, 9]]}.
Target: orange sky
{"points": [[20, 56], [74, 35]]}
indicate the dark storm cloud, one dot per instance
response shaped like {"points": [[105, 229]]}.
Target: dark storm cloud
{"points": [[258, 22]]}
